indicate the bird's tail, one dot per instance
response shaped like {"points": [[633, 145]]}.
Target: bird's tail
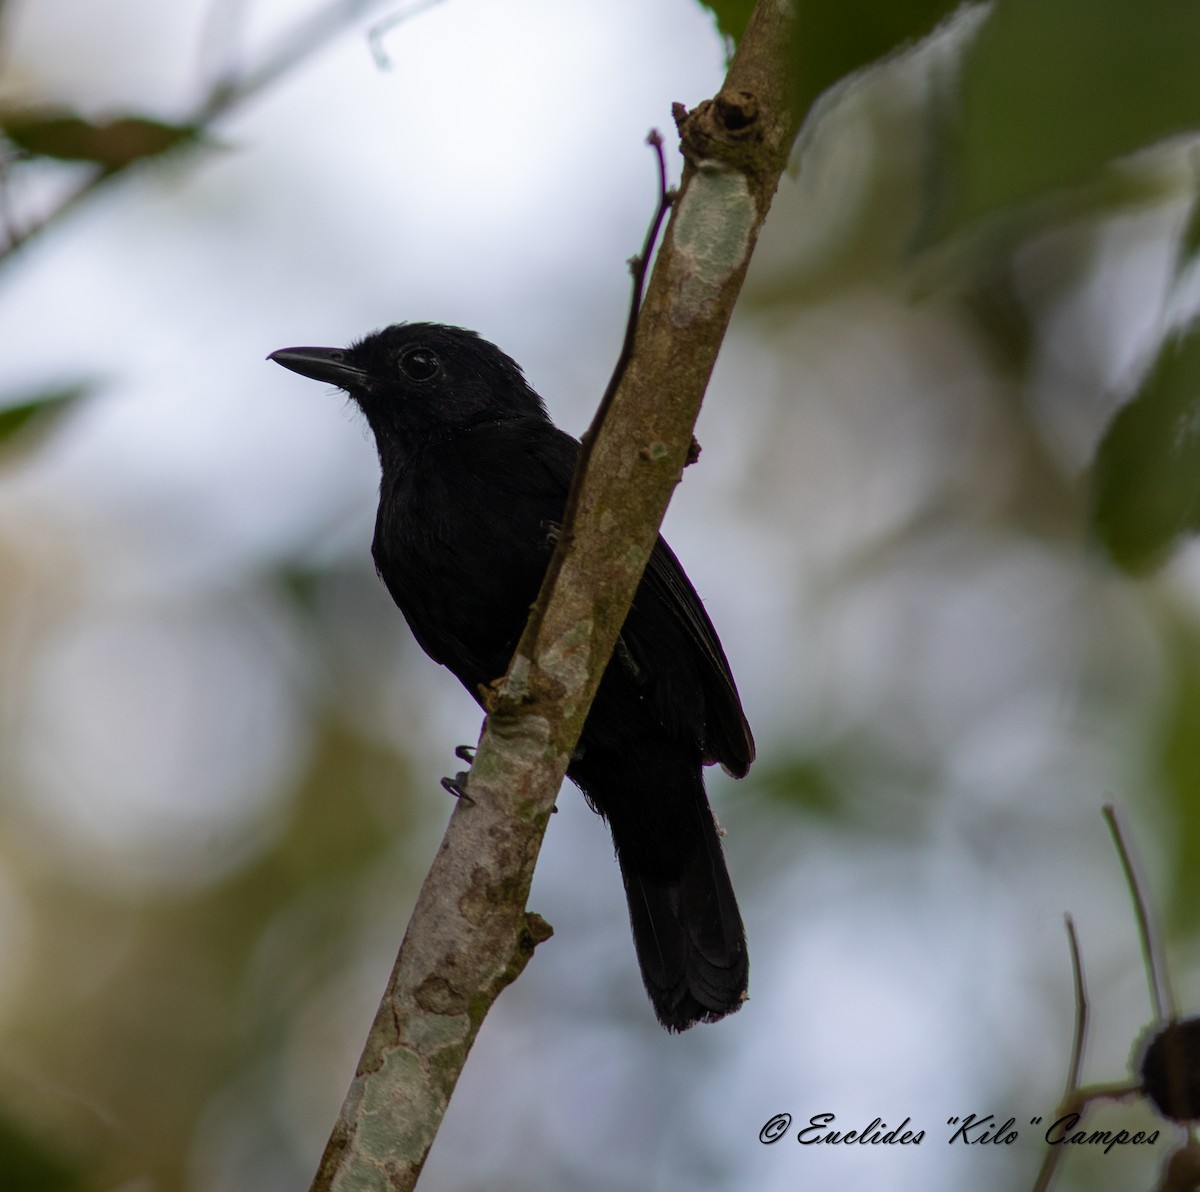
{"points": [[690, 942], [687, 931]]}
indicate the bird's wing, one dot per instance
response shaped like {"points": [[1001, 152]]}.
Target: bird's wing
{"points": [[728, 739], [666, 590]]}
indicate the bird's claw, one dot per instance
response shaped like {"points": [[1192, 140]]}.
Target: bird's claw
{"points": [[457, 786], [465, 753]]}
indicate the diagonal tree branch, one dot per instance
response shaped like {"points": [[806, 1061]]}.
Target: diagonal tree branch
{"points": [[470, 935]]}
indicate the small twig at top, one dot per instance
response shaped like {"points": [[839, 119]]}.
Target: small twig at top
{"points": [[638, 266]]}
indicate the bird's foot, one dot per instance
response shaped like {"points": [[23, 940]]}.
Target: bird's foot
{"points": [[457, 785]]}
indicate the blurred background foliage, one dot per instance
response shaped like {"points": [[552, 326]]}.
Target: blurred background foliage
{"points": [[944, 520]]}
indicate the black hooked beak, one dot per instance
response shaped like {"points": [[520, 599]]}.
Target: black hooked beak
{"points": [[322, 364]]}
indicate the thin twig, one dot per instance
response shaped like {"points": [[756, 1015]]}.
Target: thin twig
{"points": [[1161, 994], [1081, 1014], [1116, 1090], [219, 49], [226, 93], [638, 267], [1071, 1091], [8, 215], [378, 31], [305, 38], [1077, 1100]]}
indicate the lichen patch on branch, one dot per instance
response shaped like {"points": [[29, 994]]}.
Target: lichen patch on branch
{"points": [[712, 238], [566, 659]]}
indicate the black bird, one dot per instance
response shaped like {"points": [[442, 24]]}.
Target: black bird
{"points": [[475, 480]]}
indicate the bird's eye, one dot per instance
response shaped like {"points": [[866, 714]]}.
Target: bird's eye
{"points": [[418, 364]]}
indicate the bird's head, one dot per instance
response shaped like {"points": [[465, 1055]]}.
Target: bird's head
{"points": [[417, 381]]}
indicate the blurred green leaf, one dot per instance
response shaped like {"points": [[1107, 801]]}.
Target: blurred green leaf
{"points": [[840, 786], [26, 1165], [1001, 320], [1189, 240], [68, 136], [732, 17], [1180, 771], [1146, 478], [1052, 90], [804, 784], [835, 39], [301, 583], [832, 40], [38, 412]]}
